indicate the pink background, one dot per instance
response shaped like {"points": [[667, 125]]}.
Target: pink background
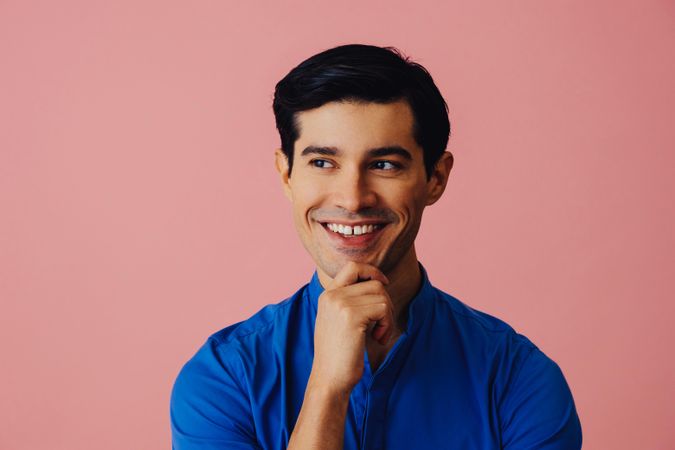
{"points": [[141, 212]]}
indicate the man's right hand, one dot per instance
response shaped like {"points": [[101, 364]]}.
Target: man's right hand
{"points": [[348, 310], [352, 305]]}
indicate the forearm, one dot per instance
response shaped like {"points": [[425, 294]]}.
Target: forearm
{"points": [[321, 422], [347, 308]]}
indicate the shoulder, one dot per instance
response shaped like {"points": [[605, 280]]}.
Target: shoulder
{"points": [[225, 346], [224, 355], [485, 333], [510, 353], [494, 348], [219, 370], [530, 391], [262, 321], [470, 316]]}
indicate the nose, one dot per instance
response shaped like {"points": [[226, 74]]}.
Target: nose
{"points": [[353, 191]]}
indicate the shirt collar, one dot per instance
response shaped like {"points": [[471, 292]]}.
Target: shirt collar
{"points": [[418, 307]]}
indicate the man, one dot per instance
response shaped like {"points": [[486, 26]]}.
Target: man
{"points": [[368, 354]]}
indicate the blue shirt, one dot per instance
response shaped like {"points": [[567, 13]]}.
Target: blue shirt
{"points": [[455, 379]]}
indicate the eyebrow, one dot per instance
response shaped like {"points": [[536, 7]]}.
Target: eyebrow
{"points": [[373, 152]]}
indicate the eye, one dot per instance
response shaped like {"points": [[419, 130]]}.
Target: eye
{"points": [[386, 165], [321, 163]]}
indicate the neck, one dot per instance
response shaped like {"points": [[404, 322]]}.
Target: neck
{"points": [[404, 283]]}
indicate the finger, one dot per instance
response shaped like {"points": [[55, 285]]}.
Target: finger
{"points": [[367, 299], [352, 292], [381, 335], [381, 332], [378, 313], [354, 272]]}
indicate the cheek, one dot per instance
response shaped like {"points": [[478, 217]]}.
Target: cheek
{"points": [[408, 201], [306, 196]]}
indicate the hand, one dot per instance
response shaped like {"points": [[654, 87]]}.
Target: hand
{"points": [[347, 311]]}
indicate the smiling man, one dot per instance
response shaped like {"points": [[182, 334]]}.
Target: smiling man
{"points": [[368, 354]]}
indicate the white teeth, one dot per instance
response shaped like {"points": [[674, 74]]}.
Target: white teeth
{"points": [[348, 230]]}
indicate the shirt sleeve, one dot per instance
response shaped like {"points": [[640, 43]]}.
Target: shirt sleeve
{"points": [[538, 411], [209, 408]]}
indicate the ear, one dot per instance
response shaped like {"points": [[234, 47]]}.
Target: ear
{"points": [[439, 178], [281, 164]]}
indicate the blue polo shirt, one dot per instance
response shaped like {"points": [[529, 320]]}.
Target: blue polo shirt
{"points": [[455, 379]]}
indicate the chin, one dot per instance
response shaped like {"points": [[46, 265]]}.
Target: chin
{"points": [[333, 267]]}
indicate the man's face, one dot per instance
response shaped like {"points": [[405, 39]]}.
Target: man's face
{"points": [[358, 185]]}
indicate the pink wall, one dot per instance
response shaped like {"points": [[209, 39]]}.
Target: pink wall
{"points": [[141, 212]]}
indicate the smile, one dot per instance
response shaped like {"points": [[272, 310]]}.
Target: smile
{"points": [[349, 230], [353, 236]]}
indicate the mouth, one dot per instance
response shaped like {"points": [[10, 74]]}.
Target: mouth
{"points": [[354, 235]]}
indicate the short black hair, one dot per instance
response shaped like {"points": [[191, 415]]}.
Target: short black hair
{"points": [[363, 73]]}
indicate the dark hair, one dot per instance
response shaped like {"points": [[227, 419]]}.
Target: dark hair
{"points": [[358, 72]]}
